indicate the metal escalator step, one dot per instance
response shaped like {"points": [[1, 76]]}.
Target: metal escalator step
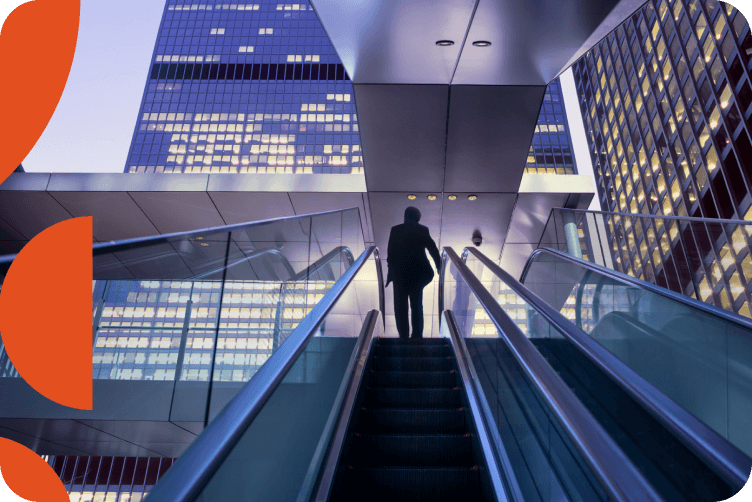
{"points": [[413, 379], [397, 397], [412, 363], [413, 350], [416, 450], [425, 421], [395, 484]]}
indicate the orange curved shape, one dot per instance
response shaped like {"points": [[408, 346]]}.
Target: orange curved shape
{"points": [[37, 43], [45, 313], [27, 476]]}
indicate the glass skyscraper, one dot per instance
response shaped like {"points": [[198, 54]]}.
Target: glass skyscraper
{"points": [[551, 151], [665, 100], [245, 88]]}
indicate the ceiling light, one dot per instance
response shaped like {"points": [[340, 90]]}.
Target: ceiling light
{"points": [[481, 43], [412, 197], [452, 197], [445, 43], [205, 244], [431, 197], [472, 197]]}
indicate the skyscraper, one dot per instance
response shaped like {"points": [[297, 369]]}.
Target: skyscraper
{"points": [[245, 88], [665, 101], [551, 151]]}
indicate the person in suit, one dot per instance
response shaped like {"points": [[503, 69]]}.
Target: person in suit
{"points": [[410, 270]]}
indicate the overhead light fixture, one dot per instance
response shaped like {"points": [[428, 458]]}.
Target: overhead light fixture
{"points": [[432, 197], [481, 43], [472, 197], [452, 197], [412, 196], [445, 43], [205, 244]]}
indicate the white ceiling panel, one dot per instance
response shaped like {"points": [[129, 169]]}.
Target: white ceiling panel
{"points": [[394, 41], [166, 210], [489, 214], [116, 215]]}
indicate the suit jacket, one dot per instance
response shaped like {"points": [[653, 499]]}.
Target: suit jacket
{"points": [[406, 255]]}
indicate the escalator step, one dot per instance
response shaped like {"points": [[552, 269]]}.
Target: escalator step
{"points": [[413, 379], [393, 397], [424, 421], [412, 341], [437, 450], [412, 363], [412, 350], [409, 484]]}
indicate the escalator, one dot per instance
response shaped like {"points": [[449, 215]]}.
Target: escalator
{"points": [[515, 401], [622, 369]]}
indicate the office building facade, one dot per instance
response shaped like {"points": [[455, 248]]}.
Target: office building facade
{"points": [[665, 101], [245, 88], [551, 151]]}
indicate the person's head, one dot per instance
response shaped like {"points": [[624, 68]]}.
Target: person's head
{"points": [[412, 215]]}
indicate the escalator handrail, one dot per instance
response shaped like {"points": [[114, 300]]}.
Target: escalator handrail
{"points": [[615, 472], [638, 283], [355, 370], [321, 262], [488, 434], [195, 467], [730, 463]]}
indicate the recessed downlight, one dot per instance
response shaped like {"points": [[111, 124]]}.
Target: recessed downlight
{"points": [[432, 197], [472, 197], [452, 197], [445, 43], [412, 196], [205, 244], [481, 43]]}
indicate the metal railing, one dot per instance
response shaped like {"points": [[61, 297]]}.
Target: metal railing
{"points": [[201, 460], [628, 279], [731, 464], [616, 474]]}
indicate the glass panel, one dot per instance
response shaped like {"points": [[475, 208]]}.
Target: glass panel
{"points": [[545, 463], [686, 353], [285, 434]]}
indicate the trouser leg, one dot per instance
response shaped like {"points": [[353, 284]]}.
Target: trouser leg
{"points": [[416, 308], [400, 311]]}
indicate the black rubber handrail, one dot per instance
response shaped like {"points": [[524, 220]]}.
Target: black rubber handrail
{"points": [[615, 472], [730, 463]]}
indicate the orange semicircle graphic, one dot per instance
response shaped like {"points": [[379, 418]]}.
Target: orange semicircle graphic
{"points": [[45, 313], [37, 44], [25, 476]]}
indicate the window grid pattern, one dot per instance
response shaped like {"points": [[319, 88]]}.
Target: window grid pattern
{"points": [[245, 88], [108, 479], [551, 150], [665, 100]]}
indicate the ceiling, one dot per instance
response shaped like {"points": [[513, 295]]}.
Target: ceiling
{"points": [[456, 118]]}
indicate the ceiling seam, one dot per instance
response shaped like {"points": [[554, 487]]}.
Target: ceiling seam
{"points": [[464, 41]]}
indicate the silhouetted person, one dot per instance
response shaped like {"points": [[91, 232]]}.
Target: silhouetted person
{"points": [[410, 270]]}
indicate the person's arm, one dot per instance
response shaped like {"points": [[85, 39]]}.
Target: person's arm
{"points": [[433, 251], [389, 249]]}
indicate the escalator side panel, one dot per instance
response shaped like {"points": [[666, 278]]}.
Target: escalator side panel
{"points": [[531, 437], [290, 421]]}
